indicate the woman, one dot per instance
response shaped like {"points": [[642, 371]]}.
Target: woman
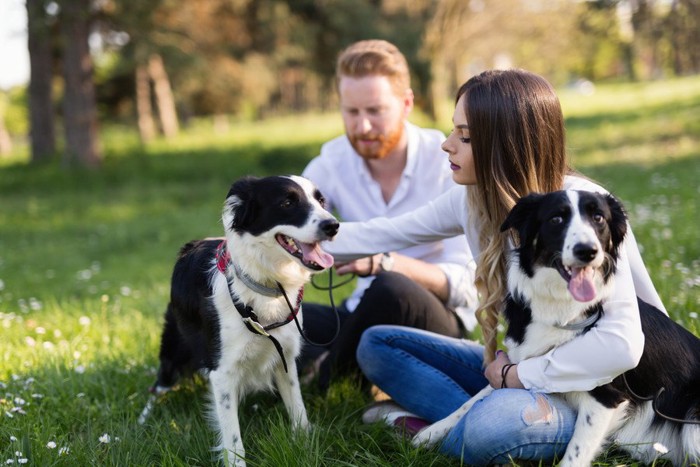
{"points": [[507, 141]]}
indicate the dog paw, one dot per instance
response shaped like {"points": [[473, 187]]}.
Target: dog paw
{"points": [[426, 438], [302, 427]]}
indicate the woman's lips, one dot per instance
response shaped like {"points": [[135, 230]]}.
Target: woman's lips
{"points": [[454, 166]]}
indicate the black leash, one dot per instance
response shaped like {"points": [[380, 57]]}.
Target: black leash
{"points": [[335, 310], [654, 399], [250, 319]]}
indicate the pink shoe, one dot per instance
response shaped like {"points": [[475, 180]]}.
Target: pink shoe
{"points": [[394, 415]]}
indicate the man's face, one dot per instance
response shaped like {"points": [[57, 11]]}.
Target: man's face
{"points": [[373, 114]]}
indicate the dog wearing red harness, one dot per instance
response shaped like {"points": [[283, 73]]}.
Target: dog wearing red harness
{"points": [[232, 299]]}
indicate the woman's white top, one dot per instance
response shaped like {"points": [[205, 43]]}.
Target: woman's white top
{"points": [[610, 348]]}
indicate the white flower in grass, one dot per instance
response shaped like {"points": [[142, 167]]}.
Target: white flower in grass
{"points": [[660, 448], [9, 414], [51, 445], [80, 369], [105, 439], [693, 315], [22, 460], [64, 451], [13, 439], [84, 321], [9, 461]]}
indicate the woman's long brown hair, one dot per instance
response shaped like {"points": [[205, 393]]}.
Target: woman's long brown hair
{"points": [[516, 128]]}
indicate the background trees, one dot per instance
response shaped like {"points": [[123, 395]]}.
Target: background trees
{"points": [[160, 62]]}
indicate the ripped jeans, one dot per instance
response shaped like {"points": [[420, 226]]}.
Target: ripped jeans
{"points": [[433, 375]]}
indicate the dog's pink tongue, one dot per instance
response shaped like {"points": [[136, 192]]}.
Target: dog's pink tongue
{"points": [[581, 284], [313, 252]]}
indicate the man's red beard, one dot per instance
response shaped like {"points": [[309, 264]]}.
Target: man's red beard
{"points": [[386, 144]]}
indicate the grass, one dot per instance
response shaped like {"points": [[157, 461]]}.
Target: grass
{"points": [[85, 260]]}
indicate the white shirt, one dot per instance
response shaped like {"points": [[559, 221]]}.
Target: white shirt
{"points": [[612, 347], [349, 189]]}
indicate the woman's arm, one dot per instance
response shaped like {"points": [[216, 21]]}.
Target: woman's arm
{"points": [[613, 346], [444, 217]]}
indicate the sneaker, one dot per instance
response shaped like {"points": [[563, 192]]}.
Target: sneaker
{"points": [[389, 412], [384, 411], [410, 426]]}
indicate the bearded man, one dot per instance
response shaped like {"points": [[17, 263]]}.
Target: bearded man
{"points": [[384, 166]]}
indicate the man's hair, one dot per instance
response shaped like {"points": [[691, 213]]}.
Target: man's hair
{"points": [[374, 58]]}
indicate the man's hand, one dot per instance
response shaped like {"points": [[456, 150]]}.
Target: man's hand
{"points": [[362, 267]]}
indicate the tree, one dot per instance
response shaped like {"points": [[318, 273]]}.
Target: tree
{"points": [[79, 105], [41, 112]]}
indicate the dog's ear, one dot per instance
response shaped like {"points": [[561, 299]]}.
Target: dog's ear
{"points": [[240, 203], [618, 222], [522, 215]]}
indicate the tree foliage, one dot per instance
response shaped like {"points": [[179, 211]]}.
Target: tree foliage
{"points": [[256, 57]]}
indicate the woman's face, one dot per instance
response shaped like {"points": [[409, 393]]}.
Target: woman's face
{"points": [[459, 149]]}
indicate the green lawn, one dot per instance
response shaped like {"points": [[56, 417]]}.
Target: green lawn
{"points": [[85, 261]]}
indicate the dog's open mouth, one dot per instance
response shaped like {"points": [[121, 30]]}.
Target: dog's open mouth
{"points": [[310, 254], [579, 280]]}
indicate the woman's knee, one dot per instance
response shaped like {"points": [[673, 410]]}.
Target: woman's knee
{"points": [[371, 350], [510, 424]]}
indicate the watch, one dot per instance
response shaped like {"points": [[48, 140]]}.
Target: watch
{"points": [[387, 262]]}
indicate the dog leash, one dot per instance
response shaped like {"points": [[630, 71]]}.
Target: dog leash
{"points": [[654, 400], [250, 319]]}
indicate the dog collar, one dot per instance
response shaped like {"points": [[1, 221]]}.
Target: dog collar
{"points": [[581, 325], [223, 259], [250, 319]]}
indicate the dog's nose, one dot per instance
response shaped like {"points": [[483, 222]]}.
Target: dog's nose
{"points": [[585, 251], [329, 227]]}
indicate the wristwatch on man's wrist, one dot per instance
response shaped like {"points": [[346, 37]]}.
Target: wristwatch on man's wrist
{"points": [[387, 262]]}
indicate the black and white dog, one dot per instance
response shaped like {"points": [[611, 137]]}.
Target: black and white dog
{"points": [[558, 279], [229, 305]]}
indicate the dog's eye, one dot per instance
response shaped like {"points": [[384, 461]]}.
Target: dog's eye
{"points": [[598, 218], [288, 202], [556, 220]]}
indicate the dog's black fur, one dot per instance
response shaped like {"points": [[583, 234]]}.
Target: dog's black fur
{"points": [[273, 228], [562, 272]]}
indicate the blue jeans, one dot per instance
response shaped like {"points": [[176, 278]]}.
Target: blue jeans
{"points": [[433, 375]]}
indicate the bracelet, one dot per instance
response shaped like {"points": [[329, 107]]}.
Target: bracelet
{"points": [[504, 373], [371, 267]]}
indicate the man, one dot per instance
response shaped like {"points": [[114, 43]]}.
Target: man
{"points": [[385, 166]]}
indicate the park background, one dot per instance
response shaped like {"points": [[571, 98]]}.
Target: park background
{"points": [[139, 115]]}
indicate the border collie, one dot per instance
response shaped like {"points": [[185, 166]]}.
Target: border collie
{"points": [[558, 280], [230, 301]]}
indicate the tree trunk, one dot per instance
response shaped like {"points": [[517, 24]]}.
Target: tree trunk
{"points": [[147, 127], [41, 112], [164, 96], [5, 140], [79, 104]]}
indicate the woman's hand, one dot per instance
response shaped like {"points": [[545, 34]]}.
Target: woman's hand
{"points": [[363, 267], [502, 367]]}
